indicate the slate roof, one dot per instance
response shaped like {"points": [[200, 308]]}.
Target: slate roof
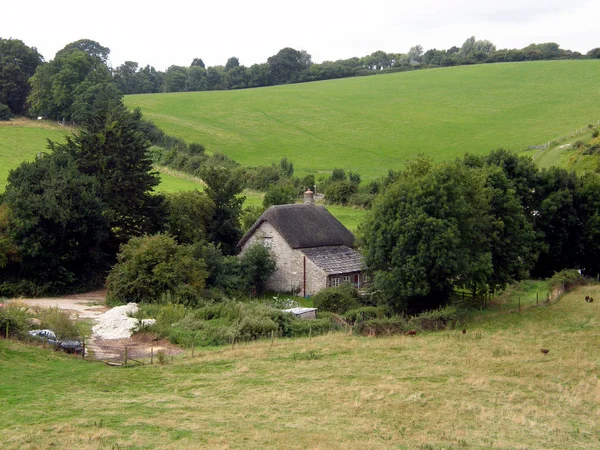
{"points": [[335, 260], [304, 226]]}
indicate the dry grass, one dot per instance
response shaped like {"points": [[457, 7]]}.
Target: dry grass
{"points": [[490, 388]]}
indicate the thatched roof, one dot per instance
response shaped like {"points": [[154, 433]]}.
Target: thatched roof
{"points": [[304, 226], [335, 260]]}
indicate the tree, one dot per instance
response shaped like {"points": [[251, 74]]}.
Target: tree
{"points": [[196, 79], [58, 224], [197, 62], [223, 186], [127, 79], [258, 263], [232, 63], [280, 194], [427, 234], [287, 64], [55, 86], [188, 216], [113, 149], [18, 63], [175, 79], [150, 266]]}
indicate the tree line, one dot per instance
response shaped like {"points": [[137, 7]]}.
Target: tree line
{"points": [[478, 223], [79, 74]]}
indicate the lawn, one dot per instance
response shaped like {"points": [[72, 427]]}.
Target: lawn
{"points": [[22, 139], [372, 124], [488, 388]]}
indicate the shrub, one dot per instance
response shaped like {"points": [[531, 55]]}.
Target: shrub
{"points": [[385, 326], [337, 300], [569, 279], [340, 191], [257, 264], [16, 317], [5, 112], [595, 133], [151, 265], [59, 321], [364, 313], [437, 319]]}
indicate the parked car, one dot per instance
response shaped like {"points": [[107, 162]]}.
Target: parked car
{"points": [[68, 345]]}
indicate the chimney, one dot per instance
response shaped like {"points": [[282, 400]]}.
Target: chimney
{"points": [[309, 198]]}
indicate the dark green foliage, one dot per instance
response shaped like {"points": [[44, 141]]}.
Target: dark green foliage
{"points": [[258, 264], [58, 224], [287, 167], [18, 63], [152, 265], [437, 319], [77, 75], [224, 272], [113, 149], [188, 216], [5, 112], [223, 186], [338, 300], [595, 133], [427, 233]]}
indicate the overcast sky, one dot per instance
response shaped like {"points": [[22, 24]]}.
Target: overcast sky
{"points": [[175, 32]]}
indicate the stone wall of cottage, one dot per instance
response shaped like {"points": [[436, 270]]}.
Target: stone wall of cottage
{"points": [[316, 278]]}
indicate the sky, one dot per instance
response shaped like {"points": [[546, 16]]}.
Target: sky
{"points": [[175, 32]]}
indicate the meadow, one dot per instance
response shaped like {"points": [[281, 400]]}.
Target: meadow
{"points": [[489, 388], [372, 124]]}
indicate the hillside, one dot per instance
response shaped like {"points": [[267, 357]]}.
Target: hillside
{"points": [[371, 124], [489, 388]]}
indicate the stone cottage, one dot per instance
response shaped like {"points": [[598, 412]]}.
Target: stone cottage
{"points": [[313, 249]]}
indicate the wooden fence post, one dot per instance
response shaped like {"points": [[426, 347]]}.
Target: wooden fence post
{"points": [[310, 332], [83, 349], [7, 324], [151, 355], [272, 337], [519, 303], [125, 357], [192, 349], [537, 298]]}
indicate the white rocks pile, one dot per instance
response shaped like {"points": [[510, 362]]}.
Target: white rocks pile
{"points": [[117, 323]]}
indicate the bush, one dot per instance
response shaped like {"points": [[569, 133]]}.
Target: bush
{"points": [[569, 279], [257, 264], [17, 318], [437, 319], [59, 321], [152, 265], [595, 133], [385, 326], [5, 112], [364, 313], [337, 300]]}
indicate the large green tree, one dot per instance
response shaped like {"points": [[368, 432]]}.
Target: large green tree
{"points": [[428, 233], [113, 148], [18, 63], [57, 223], [60, 83]]}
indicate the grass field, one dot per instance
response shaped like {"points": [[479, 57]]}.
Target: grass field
{"points": [[371, 124], [489, 388], [22, 139]]}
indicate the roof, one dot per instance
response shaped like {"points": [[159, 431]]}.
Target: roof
{"points": [[304, 226], [299, 310], [335, 260]]}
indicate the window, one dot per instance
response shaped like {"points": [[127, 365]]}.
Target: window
{"points": [[335, 282], [268, 242], [346, 278], [366, 278]]}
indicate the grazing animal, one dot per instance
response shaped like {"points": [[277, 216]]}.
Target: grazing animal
{"points": [[587, 298], [591, 300], [411, 332], [545, 351], [464, 331]]}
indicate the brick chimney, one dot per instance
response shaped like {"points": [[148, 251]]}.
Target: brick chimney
{"points": [[309, 197]]}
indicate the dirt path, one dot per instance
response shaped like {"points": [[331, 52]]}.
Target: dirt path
{"points": [[92, 305]]}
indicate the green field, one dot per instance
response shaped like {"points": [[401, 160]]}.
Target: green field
{"points": [[489, 388], [21, 140], [372, 124]]}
